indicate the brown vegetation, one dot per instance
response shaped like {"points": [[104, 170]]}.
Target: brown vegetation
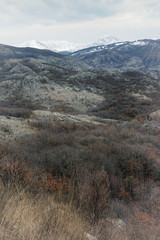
{"points": [[68, 179]]}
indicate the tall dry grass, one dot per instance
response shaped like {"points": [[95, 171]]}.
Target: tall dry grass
{"points": [[24, 216]]}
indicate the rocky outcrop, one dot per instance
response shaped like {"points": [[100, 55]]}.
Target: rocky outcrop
{"points": [[155, 115], [88, 236]]}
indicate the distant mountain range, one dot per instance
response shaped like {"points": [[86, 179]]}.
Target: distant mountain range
{"points": [[106, 53], [65, 46]]}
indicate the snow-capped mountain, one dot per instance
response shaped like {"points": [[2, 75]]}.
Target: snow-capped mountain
{"points": [[140, 55], [56, 46], [34, 44], [103, 43], [106, 40], [60, 46], [98, 48]]}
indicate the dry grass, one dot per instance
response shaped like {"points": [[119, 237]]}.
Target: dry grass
{"points": [[23, 216], [26, 216]]}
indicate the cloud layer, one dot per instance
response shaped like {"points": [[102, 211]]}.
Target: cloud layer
{"points": [[52, 11], [36, 18]]}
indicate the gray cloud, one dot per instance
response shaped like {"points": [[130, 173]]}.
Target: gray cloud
{"points": [[56, 10], [28, 19]]}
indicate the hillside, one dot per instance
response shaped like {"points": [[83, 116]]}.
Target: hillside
{"points": [[141, 55], [79, 146], [9, 52], [51, 86], [67, 89]]}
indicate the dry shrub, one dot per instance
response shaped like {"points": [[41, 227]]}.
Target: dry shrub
{"points": [[61, 148], [15, 112], [143, 226], [86, 166], [34, 179], [92, 193], [13, 171]]}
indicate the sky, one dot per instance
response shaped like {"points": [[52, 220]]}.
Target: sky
{"points": [[77, 21]]}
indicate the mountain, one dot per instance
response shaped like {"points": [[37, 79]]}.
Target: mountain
{"points": [[65, 46], [103, 41], [140, 55], [50, 57], [57, 46]]}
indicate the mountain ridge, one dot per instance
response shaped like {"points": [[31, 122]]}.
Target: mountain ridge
{"points": [[9, 52], [139, 55], [66, 46], [61, 46]]}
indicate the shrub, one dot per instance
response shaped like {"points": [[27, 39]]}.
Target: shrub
{"points": [[15, 112], [61, 150], [92, 192]]}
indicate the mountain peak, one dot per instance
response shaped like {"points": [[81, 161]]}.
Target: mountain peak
{"points": [[105, 40], [108, 39], [34, 44]]}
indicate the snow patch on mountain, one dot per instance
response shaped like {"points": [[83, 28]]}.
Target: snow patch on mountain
{"points": [[139, 42]]}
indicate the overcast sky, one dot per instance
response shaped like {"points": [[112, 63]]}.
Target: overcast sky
{"points": [[77, 20]]}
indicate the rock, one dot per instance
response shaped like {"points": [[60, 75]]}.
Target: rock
{"points": [[155, 115], [89, 237], [141, 98], [116, 222]]}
